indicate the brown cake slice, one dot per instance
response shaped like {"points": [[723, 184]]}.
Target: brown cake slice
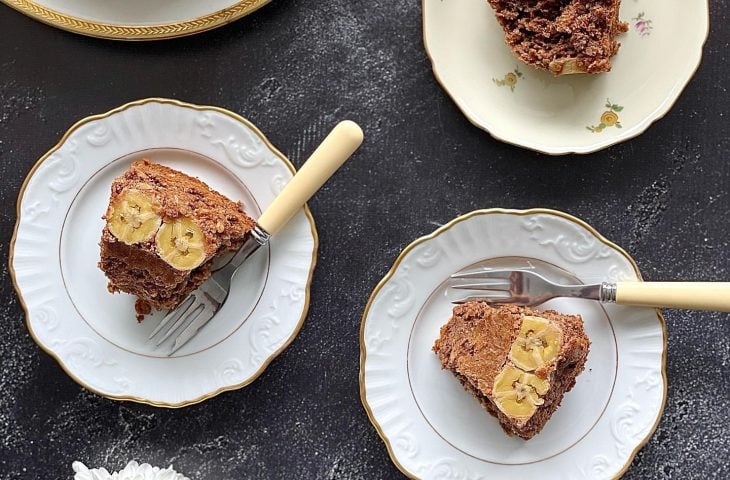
{"points": [[562, 36], [516, 361], [163, 229]]}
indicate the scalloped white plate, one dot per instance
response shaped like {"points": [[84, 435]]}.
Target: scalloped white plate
{"points": [[523, 106], [434, 429], [92, 333]]}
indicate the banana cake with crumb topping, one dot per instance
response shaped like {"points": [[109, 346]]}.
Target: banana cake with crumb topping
{"points": [[516, 361], [163, 229], [562, 36]]}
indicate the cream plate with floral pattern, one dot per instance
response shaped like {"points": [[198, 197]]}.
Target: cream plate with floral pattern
{"points": [[92, 333], [434, 429], [572, 113]]}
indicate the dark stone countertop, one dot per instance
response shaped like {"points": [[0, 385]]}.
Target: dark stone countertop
{"points": [[294, 68]]}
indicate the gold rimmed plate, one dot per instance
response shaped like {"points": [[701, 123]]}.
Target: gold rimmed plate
{"points": [[92, 333], [136, 19], [434, 429], [523, 106]]}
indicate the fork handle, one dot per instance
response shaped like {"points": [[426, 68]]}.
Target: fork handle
{"points": [[713, 296], [337, 147]]}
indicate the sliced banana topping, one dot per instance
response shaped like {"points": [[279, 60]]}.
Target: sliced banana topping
{"points": [[537, 343], [132, 217], [181, 243], [517, 393]]}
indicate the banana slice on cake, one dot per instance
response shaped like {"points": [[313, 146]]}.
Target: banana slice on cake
{"points": [[181, 243], [132, 217], [517, 393], [537, 343]]}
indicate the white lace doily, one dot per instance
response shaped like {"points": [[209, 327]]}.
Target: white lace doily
{"points": [[133, 471]]}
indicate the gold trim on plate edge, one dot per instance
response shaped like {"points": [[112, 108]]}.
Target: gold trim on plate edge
{"points": [[448, 226], [135, 32], [307, 212]]}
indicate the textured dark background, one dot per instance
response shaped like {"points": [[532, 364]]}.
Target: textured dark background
{"points": [[294, 68]]}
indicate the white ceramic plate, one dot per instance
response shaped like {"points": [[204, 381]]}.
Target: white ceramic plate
{"points": [[92, 333], [533, 109], [434, 429], [136, 19]]}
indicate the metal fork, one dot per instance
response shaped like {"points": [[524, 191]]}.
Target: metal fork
{"points": [[202, 305], [528, 288]]}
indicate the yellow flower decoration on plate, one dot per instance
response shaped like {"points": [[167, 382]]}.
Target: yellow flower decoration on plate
{"points": [[609, 118], [510, 79]]}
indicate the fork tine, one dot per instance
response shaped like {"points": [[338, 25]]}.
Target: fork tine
{"points": [[180, 321], [496, 286], [501, 274], [180, 310], [192, 329], [485, 298], [493, 299]]}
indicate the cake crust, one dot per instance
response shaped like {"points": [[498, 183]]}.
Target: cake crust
{"points": [[138, 268], [475, 345]]}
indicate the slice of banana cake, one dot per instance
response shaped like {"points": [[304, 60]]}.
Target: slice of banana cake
{"points": [[163, 229], [516, 361], [562, 36]]}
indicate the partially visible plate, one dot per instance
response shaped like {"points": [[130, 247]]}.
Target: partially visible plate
{"points": [[434, 429], [136, 19], [93, 333], [533, 109]]}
